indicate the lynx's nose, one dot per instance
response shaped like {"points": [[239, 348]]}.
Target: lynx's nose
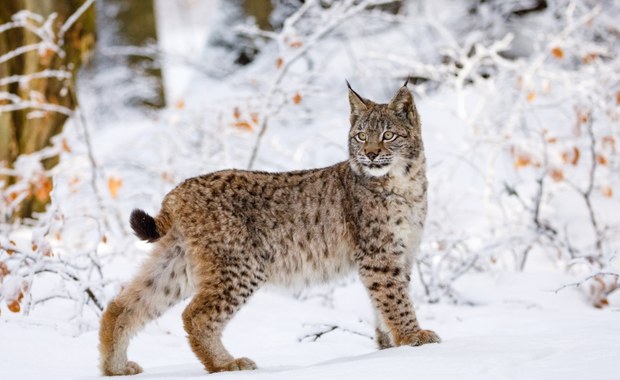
{"points": [[371, 155]]}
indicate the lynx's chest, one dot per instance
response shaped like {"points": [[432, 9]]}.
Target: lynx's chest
{"points": [[391, 221], [407, 207], [407, 220]]}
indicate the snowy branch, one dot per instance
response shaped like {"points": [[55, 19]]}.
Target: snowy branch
{"points": [[23, 80]]}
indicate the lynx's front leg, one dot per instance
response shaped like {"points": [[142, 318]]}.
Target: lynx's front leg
{"points": [[388, 285]]}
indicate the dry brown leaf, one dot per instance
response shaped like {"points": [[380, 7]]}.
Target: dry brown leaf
{"points": [[65, 146], [618, 98], [589, 58], [552, 140], [602, 160], [296, 44], [583, 117], [13, 195], [180, 104], [244, 125], [607, 191], [14, 306], [557, 52], [114, 185], [73, 184], [576, 155], [11, 251], [609, 141], [279, 62], [297, 98], [45, 56], [254, 117], [556, 174], [522, 161], [4, 270], [236, 113], [42, 189], [601, 303], [47, 251], [531, 96], [572, 156]]}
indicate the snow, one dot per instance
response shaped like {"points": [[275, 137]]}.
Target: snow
{"points": [[519, 328]]}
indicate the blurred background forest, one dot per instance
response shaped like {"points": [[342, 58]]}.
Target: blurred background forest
{"points": [[105, 105]]}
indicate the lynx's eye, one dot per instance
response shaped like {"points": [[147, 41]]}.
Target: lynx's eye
{"points": [[361, 136], [388, 136]]}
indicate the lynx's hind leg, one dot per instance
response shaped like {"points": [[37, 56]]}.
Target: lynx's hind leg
{"points": [[161, 282], [222, 287]]}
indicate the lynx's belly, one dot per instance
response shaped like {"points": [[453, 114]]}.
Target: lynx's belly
{"points": [[318, 262]]}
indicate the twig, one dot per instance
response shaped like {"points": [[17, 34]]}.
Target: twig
{"points": [[26, 104], [579, 283], [59, 74], [19, 51], [72, 19], [587, 193], [328, 329], [88, 290]]}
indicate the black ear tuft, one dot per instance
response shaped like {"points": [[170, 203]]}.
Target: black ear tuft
{"points": [[357, 103]]}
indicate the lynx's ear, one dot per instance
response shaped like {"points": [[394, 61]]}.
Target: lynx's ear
{"points": [[357, 103], [403, 107]]}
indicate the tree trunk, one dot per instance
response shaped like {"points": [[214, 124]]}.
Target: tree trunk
{"points": [[20, 131], [261, 11], [136, 26]]}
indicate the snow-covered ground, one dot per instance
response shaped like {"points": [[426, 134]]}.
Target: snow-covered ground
{"points": [[518, 328]]}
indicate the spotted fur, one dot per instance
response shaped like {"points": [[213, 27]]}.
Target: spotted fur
{"points": [[223, 235]]}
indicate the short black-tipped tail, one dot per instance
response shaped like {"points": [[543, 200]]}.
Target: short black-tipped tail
{"points": [[144, 226]]}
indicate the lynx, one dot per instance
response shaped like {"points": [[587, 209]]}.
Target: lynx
{"points": [[222, 236]]}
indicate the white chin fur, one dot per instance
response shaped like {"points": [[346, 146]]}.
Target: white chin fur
{"points": [[376, 172]]}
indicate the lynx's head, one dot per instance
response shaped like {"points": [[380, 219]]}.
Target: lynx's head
{"points": [[384, 138]]}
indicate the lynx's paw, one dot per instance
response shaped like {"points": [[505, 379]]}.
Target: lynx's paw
{"points": [[131, 368], [422, 337], [240, 364], [383, 339]]}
